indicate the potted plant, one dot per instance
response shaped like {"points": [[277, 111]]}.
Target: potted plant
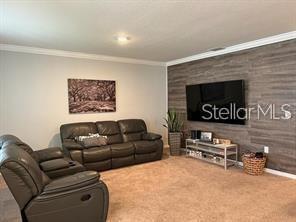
{"points": [[174, 125]]}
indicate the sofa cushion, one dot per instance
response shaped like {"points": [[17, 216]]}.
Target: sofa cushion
{"points": [[111, 130], [145, 146], [94, 142], [72, 130], [122, 150], [132, 129], [99, 166], [96, 154], [147, 157], [123, 161]]}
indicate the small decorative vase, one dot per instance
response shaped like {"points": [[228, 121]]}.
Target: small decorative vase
{"points": [[175, 143]]}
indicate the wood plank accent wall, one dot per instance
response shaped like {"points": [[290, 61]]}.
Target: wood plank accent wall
{"points": [[270, 77]]}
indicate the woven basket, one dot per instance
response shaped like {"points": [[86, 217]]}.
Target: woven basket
{"points": [[175, 143], [254, 166]]}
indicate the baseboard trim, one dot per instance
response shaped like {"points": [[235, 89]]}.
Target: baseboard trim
{"points": [[276, 172], [235, 48], [280, 173], [267, 170]]}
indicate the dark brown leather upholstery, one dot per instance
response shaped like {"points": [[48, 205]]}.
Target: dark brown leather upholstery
{"points": [[132, 129], [52, 160], [128, 140], [80, 197], [142, 156], [99, 166], [72, 145], [71, 182], [122, 150], [144, 146], [15, 164], [122, 154], [11, 139], [70, 131], [49, 154], [148, 146], [151, 136], [54, 164], [96, 154], [111, 130]]}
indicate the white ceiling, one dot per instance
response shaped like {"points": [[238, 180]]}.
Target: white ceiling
{"points": [[161, 30]]}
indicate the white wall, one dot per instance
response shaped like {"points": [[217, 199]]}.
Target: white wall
{"points": [[34, 100]]}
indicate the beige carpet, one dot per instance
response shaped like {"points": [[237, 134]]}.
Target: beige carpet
{"points": [[185, 189]]}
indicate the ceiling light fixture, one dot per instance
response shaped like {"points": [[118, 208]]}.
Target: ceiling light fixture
{"points": [[122, 39]]}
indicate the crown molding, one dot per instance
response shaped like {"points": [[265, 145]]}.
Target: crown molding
{"points": [[78, 55], [236, 48]]}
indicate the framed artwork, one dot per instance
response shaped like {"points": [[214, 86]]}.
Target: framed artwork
{"points": [[206, 136], [91, 96]]}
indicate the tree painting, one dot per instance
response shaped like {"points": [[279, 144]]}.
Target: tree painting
{"points": [[91, 96]]}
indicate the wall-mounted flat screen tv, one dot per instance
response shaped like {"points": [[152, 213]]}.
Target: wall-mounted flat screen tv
{"points": [[222, 102]]}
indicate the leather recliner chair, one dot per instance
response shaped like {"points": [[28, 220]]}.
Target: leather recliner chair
{"points": [[128, 143], [79, 197], [51, 160]]}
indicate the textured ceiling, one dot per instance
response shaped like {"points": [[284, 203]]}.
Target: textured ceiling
{"points": [[160, 30]]}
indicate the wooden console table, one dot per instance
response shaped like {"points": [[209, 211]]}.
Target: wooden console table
{"points": [[214, 153]]}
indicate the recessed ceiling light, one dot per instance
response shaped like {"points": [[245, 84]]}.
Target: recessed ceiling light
{"points": [[122, 39]]}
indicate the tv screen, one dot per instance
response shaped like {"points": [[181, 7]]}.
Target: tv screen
{"points": [[222, 102]]}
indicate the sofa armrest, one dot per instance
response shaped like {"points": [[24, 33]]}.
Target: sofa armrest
{"points": [[55, 164], [72, 145], [67, 198], [151, 136], [76, 181], [49, 154]]}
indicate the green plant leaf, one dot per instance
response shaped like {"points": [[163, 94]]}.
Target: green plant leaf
{"points": [[173, 121]]}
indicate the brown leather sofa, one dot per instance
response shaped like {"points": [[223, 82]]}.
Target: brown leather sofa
{"points": [[79, 197], [128, 142], [52, 160]]}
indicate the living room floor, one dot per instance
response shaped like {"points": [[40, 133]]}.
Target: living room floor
{"points": [[185, 189]]}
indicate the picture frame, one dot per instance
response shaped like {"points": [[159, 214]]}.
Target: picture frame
{"points": [[206, 136], [91, 96]]}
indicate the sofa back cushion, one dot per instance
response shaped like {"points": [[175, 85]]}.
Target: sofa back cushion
{"points": [[132, 129], [111, 130], [72, 130]]}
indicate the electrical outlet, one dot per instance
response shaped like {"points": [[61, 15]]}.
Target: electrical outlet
{"points": [[266, 149]]}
